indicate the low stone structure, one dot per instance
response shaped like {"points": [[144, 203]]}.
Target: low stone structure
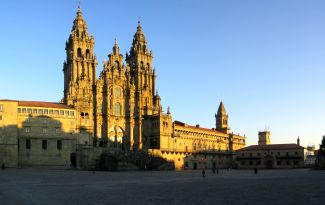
{"points": [[265, 155]]}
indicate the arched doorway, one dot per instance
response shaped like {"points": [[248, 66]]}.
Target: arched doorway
{"points": [[116, 137]]}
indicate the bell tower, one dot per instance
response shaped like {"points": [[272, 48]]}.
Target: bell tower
{"points": [[140, 61], [222, 119], [143, 77], [79, 71]]}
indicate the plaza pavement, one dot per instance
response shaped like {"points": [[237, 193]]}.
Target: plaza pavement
{"points": [[42, 186]]}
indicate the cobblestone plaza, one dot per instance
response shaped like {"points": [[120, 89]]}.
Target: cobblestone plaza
{"points": [[40, 186]]}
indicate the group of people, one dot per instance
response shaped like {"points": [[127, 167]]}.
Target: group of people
{"points": [[213, 171]]}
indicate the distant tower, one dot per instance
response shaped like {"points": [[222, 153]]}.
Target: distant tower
{"points": [[80, 73], [298, 141], [264, 138], [222, 119]]}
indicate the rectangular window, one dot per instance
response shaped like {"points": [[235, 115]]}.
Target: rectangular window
{"points": [[61, 112], [56, 112], [19, 110], [27, 129], [67, 113], [29, 110], [46, 111], [278, 163], [24, 110], [71, 113], [59, 145], [34, 111], [44, 144], [28, 144], [51, 112], [40, 111], [1, 108], [57, 130]]}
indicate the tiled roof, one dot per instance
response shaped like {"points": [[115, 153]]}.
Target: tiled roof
{"points": [[43, 104], [179, 123], [271, 147]]}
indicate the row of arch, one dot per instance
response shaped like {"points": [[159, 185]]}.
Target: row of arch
{"points": [[79, 53]]}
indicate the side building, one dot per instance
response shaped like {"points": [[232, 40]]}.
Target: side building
{"points": [[37, 133], [267, 155], [194, 147]]}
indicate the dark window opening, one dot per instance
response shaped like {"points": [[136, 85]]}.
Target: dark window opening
{"points": [[44, 144], [28, 144], [79, 53], [59, 145]]}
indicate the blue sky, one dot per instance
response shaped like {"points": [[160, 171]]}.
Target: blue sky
{"points": [[264, 59]]}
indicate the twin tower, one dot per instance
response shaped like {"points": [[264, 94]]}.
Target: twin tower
{"points": [[121, 108], [110, 109]]}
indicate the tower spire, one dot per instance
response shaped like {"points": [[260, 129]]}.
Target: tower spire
{"points": [[116, 49], [222, 119], [139, 44]]}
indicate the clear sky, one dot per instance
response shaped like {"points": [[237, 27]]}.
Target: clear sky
{"points": [[264, 59]]}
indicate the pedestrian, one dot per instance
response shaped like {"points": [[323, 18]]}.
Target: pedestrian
{"points": [[203, 173], [213, 170], [217, 171], [255, 170], [3, 166]]}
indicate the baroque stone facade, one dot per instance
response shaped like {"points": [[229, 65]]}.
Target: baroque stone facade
{"points": [[119, 110]]}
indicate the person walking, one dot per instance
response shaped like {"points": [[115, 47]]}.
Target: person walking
{"points": [[203, 173]]}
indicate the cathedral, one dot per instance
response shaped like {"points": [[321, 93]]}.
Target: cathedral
{"points": [[120, 110]]}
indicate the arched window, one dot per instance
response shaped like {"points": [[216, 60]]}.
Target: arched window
{"points": [[141, 64], [79, 52], [116, 64], [148, 66], [117, 109], [117, 92], [87, 53], [86, 115]]}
